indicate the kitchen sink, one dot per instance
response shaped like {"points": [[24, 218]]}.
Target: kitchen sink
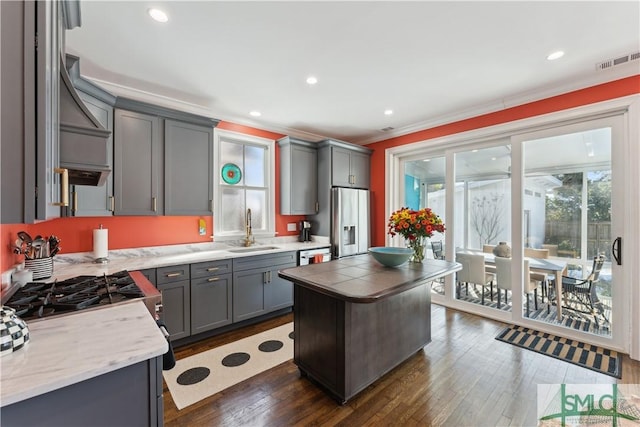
{"points": [[253, 249]]}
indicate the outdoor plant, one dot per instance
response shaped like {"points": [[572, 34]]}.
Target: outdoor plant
{"points": [[415, 227]]}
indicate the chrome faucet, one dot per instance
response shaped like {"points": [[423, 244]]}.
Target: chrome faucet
{"points": [[249, 236]]}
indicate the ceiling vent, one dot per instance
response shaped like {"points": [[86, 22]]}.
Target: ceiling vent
{"points": [[387, 129], [617, 61]]}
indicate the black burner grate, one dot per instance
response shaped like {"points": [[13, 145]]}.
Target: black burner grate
{"points": [[38, 299]]}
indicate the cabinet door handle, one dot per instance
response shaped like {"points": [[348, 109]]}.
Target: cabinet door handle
{"points": [[269, 275], [173, 274], [154, 204], [264, 277], [64, 187], [317, 207], [213, 268], [74, 208], [213, 279], [112, 203], [211, 205]]}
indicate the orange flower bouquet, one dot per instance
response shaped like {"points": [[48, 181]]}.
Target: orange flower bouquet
{"points": [[415, 227]]}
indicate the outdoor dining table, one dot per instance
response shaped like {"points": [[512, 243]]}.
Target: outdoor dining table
{"points": [[556, 267]]}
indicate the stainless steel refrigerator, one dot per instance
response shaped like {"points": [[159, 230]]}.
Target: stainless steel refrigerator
{"points": [[349, 221]]}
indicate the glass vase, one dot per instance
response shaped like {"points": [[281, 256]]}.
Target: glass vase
{"points": [[418, 247]]}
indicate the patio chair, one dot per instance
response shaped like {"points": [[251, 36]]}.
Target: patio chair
{"points": [[436, 248], [581, 293], [473, 271], [553, 249], [540, 277], [503, 280]]}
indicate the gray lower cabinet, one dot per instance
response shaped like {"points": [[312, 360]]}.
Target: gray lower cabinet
{"points": [[257, 289], [203, 296], [137, 157], [175, 285], [96, 200], [188, 169], [131, 396], [211, 295]]}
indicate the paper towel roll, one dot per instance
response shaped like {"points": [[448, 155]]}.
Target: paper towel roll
{"points": [[101, 243]]}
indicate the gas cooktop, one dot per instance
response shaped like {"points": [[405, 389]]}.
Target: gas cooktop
{"points": [[37, 300]]}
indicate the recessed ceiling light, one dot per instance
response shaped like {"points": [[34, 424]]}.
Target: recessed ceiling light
{"points": [[312, 80], [255, 113], [388, 112], [426, 160], [555, 55], [158, 15]]}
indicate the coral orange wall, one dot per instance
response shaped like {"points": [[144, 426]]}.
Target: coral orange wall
{"points": [[134, 231], [603, 92]]}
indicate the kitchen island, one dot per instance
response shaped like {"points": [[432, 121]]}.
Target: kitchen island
{"points": [[355, 320]]}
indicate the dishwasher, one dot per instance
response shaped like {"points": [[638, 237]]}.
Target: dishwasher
{"points": [[314, 256]]}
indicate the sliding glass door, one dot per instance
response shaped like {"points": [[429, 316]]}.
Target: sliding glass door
{"points": [[553, 197], [424, 186], [482, 219], [570, 219]]}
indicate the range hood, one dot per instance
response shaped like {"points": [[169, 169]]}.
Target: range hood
{"points": [[83, 140]]}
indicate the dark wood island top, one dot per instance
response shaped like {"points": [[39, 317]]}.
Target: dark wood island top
{"points": [[362, 279], [354, 319]]}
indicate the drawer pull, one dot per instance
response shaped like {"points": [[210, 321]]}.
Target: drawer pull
{"points": [[213, 269], [213, 279], [173, 274]]}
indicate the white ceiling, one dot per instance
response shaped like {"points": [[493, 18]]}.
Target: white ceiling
{"points": [[430, 62]]}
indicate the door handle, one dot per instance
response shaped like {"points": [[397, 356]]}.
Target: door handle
{"points": [[64, 187], [616, 250]]}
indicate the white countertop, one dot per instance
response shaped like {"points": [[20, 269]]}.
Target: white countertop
{"points": [[69, 349], [66, 266]]}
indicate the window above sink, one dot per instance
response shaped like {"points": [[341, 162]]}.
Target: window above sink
{"points": [[244, 179]]}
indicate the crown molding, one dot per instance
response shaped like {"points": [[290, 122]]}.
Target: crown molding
{"points": [[544, 92]]}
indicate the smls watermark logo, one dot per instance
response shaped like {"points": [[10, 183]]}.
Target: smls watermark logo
{"points": [[591, 405]]}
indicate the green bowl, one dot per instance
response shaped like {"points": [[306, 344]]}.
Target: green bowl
{"points": [[390, 256]]}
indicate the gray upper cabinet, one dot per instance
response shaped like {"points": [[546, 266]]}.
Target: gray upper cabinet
{"points": [[340, 164], [89, 200], [349, 168], [188, 169], [29, 105], [298, 176], [137, 161]]}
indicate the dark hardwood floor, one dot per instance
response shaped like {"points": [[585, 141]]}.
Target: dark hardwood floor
{"points": [[464, 377]]}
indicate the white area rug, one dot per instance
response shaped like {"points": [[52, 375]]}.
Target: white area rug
{"points": [[205, 374]]}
